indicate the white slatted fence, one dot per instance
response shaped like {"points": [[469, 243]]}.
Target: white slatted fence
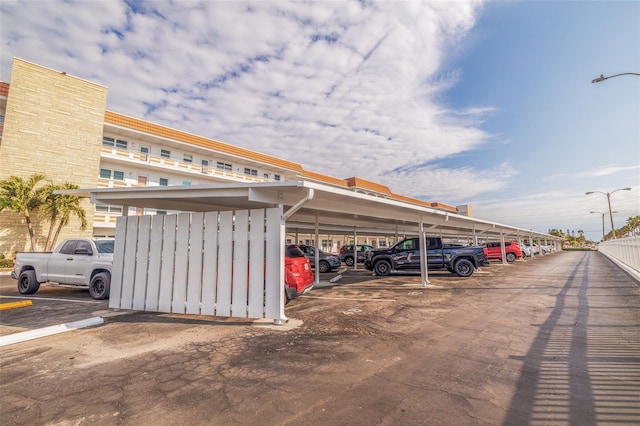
{"points": [[227, 264]]}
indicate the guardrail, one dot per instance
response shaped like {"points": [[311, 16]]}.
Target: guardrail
{"points": [[625, 252]]}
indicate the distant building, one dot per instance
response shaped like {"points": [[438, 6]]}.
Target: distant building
{"points": [[465, 210]]}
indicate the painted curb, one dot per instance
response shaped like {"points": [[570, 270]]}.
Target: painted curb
{"points": [[13, 305]]}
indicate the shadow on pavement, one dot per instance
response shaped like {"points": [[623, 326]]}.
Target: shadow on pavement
{"points": [[581, 385]]}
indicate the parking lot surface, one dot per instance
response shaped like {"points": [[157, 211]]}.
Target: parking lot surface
{"points": [[553, 340]]}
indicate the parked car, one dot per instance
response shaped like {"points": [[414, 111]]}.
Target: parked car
{"points": [[298, 278], [535, 249], [493, 250], [75, 262], [346, 253], [405, 255], [328, 261]]}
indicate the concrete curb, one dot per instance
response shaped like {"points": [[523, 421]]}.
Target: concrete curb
{"points": [[49, 331]]}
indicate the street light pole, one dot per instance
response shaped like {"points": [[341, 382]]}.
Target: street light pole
{"points": [[608, 194], [603, 78], [601, 213]]}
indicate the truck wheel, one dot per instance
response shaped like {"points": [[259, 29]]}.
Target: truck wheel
{"points": [[382, 268], [348, 261], [464, 268], [100, 285], [27, 282], [324, 266], [511, 257]]}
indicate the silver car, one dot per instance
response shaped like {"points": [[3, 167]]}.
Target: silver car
{"points": [[346, 253], [328, 261]]}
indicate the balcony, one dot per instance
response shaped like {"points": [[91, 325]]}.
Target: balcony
{"points": [[140, 159]]}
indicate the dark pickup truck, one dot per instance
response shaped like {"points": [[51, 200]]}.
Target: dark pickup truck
{"points": [[462, 261]]}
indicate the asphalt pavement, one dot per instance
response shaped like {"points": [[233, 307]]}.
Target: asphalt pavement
{"points": [[553, 340]]}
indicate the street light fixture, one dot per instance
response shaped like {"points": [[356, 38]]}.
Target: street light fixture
{"points": [[603, 78], [608, 194], [601, 213]]}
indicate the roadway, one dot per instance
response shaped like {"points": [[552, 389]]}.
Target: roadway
{"points": [[553, 340]]}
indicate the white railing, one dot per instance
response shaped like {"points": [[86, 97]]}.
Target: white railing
{"points": [[625, 252], [177, 165]]}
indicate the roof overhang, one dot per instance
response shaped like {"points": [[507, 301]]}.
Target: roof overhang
{"points": [[333, 209]]}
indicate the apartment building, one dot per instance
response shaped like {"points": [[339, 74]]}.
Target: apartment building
{"points": [[58, 125], [138, 153]]}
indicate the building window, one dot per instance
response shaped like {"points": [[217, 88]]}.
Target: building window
{"points": [[161, 212], [186, 182], [111, 142], [144, 153], [187, 158], [164, 153], [276, 177], [252, 172], [223, 166], [164, 181], [266, 175], [107, 174], [108, 209]]}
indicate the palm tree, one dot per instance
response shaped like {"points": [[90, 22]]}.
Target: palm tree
{"points": [[65, 207], [49, 210], [21, 196], [634, 225]]}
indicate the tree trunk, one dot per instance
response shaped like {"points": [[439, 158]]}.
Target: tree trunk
{"points": [[31, 236], [57, 234], [48, 246]]}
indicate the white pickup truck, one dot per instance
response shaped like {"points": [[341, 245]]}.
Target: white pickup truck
{"points": [[76, 262]]}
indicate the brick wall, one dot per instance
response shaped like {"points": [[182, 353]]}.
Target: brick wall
{"points": [[53, 125]]}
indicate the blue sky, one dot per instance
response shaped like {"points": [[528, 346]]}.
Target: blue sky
{"points": [[483, 103]]}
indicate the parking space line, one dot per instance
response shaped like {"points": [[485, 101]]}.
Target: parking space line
{"points": [[93, 302], [349, 298]]}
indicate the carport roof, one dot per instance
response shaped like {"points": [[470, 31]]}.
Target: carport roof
{"points": [[304, 203]]}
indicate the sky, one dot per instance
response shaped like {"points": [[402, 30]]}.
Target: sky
{"points": [[462, 102]]}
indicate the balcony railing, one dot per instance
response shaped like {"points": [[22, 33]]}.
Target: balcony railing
{"points": [[111, 183], [105, 220], [176, 165]]}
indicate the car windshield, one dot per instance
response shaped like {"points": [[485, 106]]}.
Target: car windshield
{"points": [[294, 251], [105, 246]]}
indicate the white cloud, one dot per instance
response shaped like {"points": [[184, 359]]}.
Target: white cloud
{"points": [[608, 170], [344, 88], [561, 209]]}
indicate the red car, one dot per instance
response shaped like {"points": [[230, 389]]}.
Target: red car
{"points": [[493, 250], [298, 277]]}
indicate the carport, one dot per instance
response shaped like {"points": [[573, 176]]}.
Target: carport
{"points": [[224, 255]]}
